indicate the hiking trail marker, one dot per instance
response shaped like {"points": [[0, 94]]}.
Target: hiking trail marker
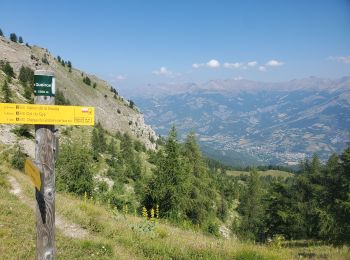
{"points": [[33, 172], [45, 115]]}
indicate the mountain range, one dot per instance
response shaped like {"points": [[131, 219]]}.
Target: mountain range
{"points": [[243, 122]]}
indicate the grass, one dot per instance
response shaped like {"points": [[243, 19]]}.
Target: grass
{"points": [[114, 236], [273, 173]]}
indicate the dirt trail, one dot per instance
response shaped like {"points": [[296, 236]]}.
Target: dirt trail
{"points": [[69, 229]]}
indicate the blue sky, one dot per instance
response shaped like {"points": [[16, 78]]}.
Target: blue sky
{"points": [[133, 43]]}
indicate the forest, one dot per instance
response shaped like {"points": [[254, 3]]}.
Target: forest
{"points": [[193, 192]]}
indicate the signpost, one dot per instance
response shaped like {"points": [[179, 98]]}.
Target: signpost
{"points": [[45, 115]]}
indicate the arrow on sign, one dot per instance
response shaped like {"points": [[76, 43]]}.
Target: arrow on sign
{"points": [[33, 172]]}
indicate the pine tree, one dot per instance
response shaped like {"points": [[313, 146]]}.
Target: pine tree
{"points": [[169, 187], [252, 209], [13, 37], [201, 193], [20, 39], [7, 92], [1, 33]]}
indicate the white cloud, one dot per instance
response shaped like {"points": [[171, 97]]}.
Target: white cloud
{"points": [[235, 65], [117, 78], [163, 71], [342, 59], [213, 64], [196, 65], [262, 68], [238, 78], [252, 63], [210, 64], [274, 63]]}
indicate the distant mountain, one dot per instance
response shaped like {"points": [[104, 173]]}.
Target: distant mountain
{"points": [[244, 122]]}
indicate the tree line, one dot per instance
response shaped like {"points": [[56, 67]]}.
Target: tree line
{"points": [[313, 204]]}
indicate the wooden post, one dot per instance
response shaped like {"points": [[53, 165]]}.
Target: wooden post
{"points": [[45, 146]]}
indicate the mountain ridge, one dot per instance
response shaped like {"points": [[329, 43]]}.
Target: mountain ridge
{"points": [[279, 123], [111, 110]]}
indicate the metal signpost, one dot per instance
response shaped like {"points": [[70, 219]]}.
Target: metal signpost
{"points": [[45, 115]]}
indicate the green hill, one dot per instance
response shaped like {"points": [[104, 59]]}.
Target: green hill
{"points": [[114, 235]]}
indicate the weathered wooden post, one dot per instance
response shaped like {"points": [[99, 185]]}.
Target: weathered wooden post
{"points": [[45, 145]]}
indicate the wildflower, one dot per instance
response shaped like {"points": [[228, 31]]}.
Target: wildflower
{"points": [[144, 213]]}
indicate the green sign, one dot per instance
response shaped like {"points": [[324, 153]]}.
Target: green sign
{"points": [[44, 85]]}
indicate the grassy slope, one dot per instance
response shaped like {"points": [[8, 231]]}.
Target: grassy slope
{"points": [[273, 173], [111, 235]]}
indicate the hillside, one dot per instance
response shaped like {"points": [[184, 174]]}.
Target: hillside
{"points": [[112, 111], [113, 234], [242, 122]]}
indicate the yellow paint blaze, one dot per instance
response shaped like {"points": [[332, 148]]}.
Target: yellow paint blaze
{"points": [[33, 172]]}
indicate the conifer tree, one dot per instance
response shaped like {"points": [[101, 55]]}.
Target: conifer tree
{"points": [[252, 209], [7, 92], [170, 186], [1, 33], [20, 39], [13, 37]]}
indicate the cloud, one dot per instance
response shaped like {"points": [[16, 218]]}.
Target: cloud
{"points": [[117, 78], [238, 78], [210, 64], [252, 63], [213, 64], [341, 59], [274, 63], [163, 71], [262, 68], [235, 65]]}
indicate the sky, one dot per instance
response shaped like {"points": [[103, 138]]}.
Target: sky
{"points": [[132, 43]]}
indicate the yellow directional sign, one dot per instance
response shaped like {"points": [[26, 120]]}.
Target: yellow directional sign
{"points": [[46, 114], [33, 172]]}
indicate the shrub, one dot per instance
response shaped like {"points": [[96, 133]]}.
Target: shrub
{"points": [[26, 74], [20, 39], [18, 159], [74, 173], [1, 33], [7, 68], [60, 99], [22, 130], [87, 81], [44, 60]]}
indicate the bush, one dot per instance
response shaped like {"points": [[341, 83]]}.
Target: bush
{"points": [[26, 75], [22, 130], [74, 173], [7, 68], [60, 99], [1, 33], [87, 81], [18, 159], [20, 39]]}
